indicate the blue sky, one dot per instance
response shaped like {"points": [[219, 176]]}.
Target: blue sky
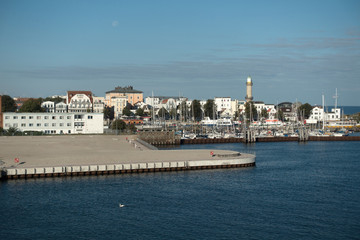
{"points": [[293, 50]]}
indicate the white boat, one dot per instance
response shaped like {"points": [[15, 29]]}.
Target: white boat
{"points": [[208, 122], [224, 122], [189, 136], [318, 133], [214, 135]]}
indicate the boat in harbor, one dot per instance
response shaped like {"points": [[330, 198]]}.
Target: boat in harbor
{"points": [[208, 122]]}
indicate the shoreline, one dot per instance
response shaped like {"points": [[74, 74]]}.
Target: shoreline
{"points": [[51, 156]]}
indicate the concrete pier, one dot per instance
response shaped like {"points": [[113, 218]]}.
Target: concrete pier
{"points": [[55, 156]]}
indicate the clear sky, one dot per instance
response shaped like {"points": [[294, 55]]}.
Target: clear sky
{"points": [[293, 50]]}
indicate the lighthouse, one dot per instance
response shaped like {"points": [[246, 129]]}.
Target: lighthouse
{"points": [[249, 84]]}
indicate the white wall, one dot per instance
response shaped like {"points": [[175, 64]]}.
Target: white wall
{"points": [[55, 123]]}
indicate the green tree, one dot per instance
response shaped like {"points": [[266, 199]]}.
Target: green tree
{"points": [[132, 127], [109, 113], [280, 115], [56, 100], [8, 104], [264, 113], [305, 110], [32, 105], [196, 111], [250, 111], [210, 108], [139, 112], [118, 125], [126, 111], [12, 131]]}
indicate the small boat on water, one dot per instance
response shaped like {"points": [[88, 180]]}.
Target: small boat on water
{"points": [[121, 205]]}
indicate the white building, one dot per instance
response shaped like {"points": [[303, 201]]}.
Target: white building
{"points": [[119, 103], [51, 107], [168, 104], [157, 102], [222, 103], [259, 106], [317, 115], [99, 104], [55, 123], [79, 101]]}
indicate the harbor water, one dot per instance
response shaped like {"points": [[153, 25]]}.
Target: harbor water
{"points": [[296, 191]]}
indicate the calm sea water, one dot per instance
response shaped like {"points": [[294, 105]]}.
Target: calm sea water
{"points": [[296, 191]]}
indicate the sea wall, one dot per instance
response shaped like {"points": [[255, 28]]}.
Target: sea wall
{"points": [[243, 160]]}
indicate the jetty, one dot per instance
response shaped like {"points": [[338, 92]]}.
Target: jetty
{"points": [[74, 155]]}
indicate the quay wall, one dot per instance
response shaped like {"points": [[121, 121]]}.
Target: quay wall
{"points": [[244, 160], [345, 138], [267, 139]]}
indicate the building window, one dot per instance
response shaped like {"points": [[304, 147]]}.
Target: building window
{"points": [[46, 117], [69, 124], [7, 117], [68, 117], [31, 117], [23, 117], [54, 117], [15, 117], [61, 124], [31, 124], [54, 124], [38, 125], [6, 125], [23, 125], [61, 117], [38, 117], [90, 117], [15, 125]]}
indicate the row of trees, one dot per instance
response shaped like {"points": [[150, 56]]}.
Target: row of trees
{"points": [[32, 105]]}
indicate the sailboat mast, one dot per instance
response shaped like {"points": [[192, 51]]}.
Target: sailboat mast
{"points": [[323, 105]]}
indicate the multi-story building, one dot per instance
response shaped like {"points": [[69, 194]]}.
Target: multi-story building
{"points": [[318, 115], [156, 101], [222, 104], [118, 103], [55, 123], [79, 101], [99, 104], [133, 95], [259, 105], [51, 107]]}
